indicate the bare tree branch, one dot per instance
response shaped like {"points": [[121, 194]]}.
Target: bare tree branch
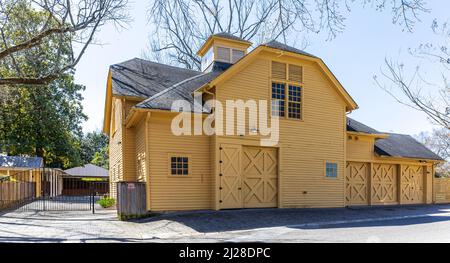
{"points": [[181, 26], [67, 20], [409, 93]]}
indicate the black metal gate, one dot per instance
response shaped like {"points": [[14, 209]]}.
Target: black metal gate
{"points": [[49, 190]]}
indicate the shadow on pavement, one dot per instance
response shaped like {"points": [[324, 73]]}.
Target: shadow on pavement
{"points": [[238, 220], [60, 240], [383, 223]]}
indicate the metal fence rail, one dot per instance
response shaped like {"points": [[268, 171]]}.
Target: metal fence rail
{"points": [[47, 189]]}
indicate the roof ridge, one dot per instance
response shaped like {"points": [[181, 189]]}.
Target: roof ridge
{"points": [[153, 62], [295, 49], [173, 87]]}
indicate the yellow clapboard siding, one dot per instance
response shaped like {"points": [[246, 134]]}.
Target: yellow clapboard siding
{"points": [[141, 152], [115, 150], [140, 159], [307, 144], [169, 192], [359, 147]]}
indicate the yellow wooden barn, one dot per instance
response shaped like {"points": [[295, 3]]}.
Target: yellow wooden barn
{"points": [[321, 158]]}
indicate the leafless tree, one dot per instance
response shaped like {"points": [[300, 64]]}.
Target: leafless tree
{"points": [[416, 91], [76, 20], [181, 26], [439, 142]]}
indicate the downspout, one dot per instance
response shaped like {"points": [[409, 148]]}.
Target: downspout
{"points": [[205, 90]]}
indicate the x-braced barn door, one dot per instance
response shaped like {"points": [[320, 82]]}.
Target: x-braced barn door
{"points": [[356, 183], [248, 177], [230, 177], [412, 184], [260, 177]]}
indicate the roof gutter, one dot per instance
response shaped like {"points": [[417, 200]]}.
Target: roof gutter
{"points": [[374, 135], [421, 160]]}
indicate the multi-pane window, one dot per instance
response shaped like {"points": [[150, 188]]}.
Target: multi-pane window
{"points": [[179, 165], [331, 170], [287, 90], [295, 101], [278, 99]]}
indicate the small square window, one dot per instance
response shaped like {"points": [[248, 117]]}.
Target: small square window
{"points": [[179, 166], [331, 170]]}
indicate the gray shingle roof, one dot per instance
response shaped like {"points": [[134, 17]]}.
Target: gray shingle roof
{"points": [[356, 126], [88, 170], [278, 45], [143, 79], [180, 91], [400, 145], [230, 36], [396, 145], [21, 162]]}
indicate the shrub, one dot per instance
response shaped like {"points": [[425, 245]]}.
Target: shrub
{"points": [[106, 202]]}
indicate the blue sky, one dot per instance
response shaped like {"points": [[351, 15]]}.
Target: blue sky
{"points": [[355, 56]]}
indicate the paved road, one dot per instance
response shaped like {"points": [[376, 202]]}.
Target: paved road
{"points": [[407, 224]]}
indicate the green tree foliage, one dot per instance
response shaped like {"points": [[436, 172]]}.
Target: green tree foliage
{"points": [[68, 27], [40, 120], [94, 149]]}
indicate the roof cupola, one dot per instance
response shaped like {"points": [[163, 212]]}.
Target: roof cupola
{"points": [[223, 48]]}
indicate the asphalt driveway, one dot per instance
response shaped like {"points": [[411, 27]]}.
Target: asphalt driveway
{"points": [[386, 224]]}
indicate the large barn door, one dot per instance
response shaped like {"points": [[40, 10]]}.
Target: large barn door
{"points": [[356, 183], [384, 184], [412, 184], [230, 177], [260, 177]]}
